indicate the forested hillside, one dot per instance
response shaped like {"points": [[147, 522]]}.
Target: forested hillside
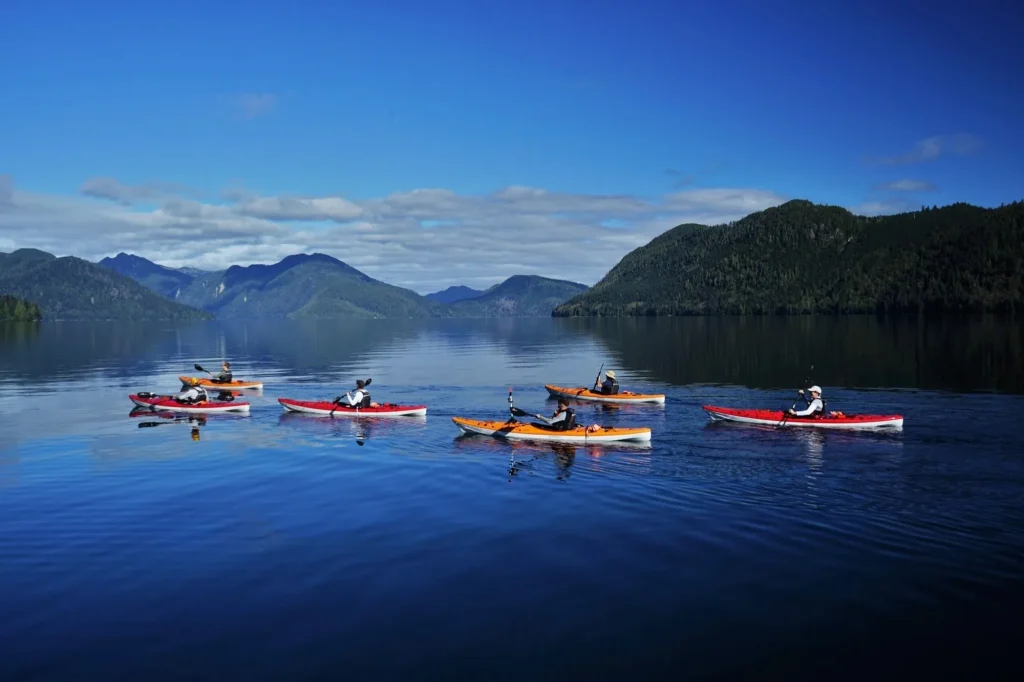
{"points": [[806, 258]]}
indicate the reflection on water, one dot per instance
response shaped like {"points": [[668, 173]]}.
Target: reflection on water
{"points": [[389, 545], [956, 354]]}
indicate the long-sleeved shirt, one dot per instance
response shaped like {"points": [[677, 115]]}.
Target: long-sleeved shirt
{"points": [[814, 406], [354, 398], [557, 419]]}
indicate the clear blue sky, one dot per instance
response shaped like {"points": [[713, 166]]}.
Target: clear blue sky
{"points": [[584, 97]]}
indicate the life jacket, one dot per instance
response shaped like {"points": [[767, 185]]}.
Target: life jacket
{"points": [[610, 390], [365, 402], [569, 422]]}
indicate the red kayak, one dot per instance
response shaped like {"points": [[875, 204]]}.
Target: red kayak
{"points": [[166, 402], [326, 408], [779, 418]]}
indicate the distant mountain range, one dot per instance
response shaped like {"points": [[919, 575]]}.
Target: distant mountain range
{"points": [[453, 294], [801, 257], [164, 281], [795, 258], [70, 288], [320, 286]]}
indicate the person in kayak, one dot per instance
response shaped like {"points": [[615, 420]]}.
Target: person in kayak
{"points": [[815, 406], [358, 398], [224, 376], [610, 385], [193, 394], [563, 419]]}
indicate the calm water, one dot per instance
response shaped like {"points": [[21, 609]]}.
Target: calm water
{"points": [[289, 547]]}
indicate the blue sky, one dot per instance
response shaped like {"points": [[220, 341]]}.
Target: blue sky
{"points": [[875, 106]]}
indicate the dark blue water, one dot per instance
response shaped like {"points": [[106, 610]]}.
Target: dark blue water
{"points": [[282, 546]]}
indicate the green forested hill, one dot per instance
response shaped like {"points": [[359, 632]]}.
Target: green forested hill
{"points": [[806, 258], [73, 289]]}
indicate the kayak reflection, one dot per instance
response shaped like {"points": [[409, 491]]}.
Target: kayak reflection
{"points": [[361, 429], [195, 421]]}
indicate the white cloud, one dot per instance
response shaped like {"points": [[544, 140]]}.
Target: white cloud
{"points": [[877, 208], [907, 186], [252, 105], [424, 239], [932, 148]]}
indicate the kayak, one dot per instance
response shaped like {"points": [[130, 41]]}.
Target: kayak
{"points": [[775, 418], [166, 402], [225, 386], [580, 393], [520, 431], [325, 408]]}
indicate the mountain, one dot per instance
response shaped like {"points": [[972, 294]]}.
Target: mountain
{"points": [[518, 296], [193, 272], [453, 294], [70, 288], [807, 258], [164, 281], [312, 286]]}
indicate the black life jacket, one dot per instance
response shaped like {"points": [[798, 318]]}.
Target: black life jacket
{"points": [[366, 399], [569, 422], [610, 390]]}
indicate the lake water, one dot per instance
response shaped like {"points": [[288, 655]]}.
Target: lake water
{"points": [[281, 546]]}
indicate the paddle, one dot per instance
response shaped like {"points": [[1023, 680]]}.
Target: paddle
{"points": [[337, 401], [598, 379], [785, 415]]}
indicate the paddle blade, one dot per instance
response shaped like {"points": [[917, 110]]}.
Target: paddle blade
{"points": [[368, 381], [519, 413]]}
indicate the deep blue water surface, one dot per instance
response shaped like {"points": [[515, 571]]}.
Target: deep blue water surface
{"points": [[291, 547]]}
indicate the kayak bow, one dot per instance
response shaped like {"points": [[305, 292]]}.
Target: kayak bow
{"points": [[779, 418], [325, 408], [225, 386], [581, 393], [166, 402], [520, 431]]}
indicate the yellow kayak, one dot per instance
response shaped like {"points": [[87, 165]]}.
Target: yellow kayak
{"points": [[226, 386], [520, 431], [580, 393]]}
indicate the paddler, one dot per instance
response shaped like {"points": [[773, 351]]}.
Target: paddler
{"points": [[358, 398], [610, 385], [193, 394], [563, 419], [815, 406], [225, 376]]}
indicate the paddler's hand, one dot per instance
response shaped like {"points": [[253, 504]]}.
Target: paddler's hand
{"points": [[801, 391]]}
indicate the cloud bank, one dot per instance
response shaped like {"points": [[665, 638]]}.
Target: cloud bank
{"points": [[424, 239]]}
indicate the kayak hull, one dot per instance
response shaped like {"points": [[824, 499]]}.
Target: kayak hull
{"points": [[228, 386], [775, 418], [325, 409], [167, 403], [521, 431], [581, 393]]}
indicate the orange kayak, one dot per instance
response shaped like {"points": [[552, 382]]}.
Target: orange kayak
{"points": [[580, 393], [520, 431], [226, 386]]}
